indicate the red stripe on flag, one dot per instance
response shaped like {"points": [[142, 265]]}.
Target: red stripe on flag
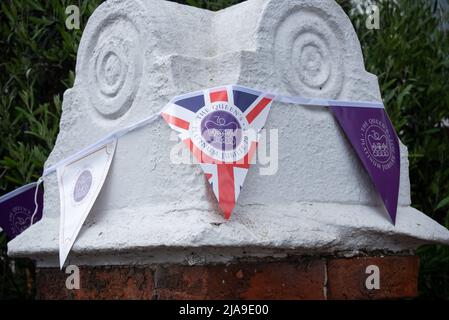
{"points": [[219, 96], [176, 121], [257, 109], [226, 192]]}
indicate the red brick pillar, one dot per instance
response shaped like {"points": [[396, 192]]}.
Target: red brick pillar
{"points": [[293, 278]]}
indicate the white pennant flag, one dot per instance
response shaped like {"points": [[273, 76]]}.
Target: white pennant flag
{"points": [[80, 183]]}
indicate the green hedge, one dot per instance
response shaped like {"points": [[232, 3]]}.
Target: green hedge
{"points": [[410, 55], [37, 64]]}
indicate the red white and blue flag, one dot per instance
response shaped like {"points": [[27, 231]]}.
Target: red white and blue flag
{"points": [[220, 127]]}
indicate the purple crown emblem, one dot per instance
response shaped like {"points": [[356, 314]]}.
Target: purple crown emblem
{"points": [[221, 130], [21, 219], [378, 144], [82, 186]]}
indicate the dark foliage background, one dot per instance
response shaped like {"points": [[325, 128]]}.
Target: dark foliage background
{"points": [[409, 53]]}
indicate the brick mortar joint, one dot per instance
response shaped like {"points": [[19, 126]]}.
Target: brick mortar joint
{"points": [[155, 270], [325, 284]]}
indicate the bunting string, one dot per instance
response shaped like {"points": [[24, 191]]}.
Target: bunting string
{"points": [[152, 118], [365, 124]]}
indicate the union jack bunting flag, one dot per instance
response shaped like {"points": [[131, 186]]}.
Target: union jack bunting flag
{"points": [[220, 126]]}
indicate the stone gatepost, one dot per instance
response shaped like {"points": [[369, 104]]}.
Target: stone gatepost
{"points": [[314, 230]]}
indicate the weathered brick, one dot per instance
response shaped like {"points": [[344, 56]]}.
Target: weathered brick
{"points": [[114, 282], [284, 279], [263, 280], [398, 277]]}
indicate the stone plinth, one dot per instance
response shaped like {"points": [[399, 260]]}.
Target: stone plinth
{"points": [[135, 56]]}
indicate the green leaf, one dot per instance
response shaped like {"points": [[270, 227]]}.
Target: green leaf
{"points": [[443, 203]]}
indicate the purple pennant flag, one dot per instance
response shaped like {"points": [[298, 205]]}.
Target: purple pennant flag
{"points": [[17, 208], [375, 141]]}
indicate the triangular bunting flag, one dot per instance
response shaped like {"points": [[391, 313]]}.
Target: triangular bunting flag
{"points": [[80, 183], [220, 126], [17, 209], [375, 141]]}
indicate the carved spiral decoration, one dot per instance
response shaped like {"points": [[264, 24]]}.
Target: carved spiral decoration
{"points": [[307, 54], [112, 64]]}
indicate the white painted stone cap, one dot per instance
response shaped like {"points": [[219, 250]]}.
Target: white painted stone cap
{"points": [[135, 56]]}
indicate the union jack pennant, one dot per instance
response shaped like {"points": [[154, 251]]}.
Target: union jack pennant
{"points": [[220, 127]]}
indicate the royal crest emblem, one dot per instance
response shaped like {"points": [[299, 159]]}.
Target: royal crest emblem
{"points": [[82, 186], [377, 143], [20, 219]]}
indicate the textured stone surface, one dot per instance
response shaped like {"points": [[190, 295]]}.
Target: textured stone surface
{"points": [[292, 278], [136, 55], [398, 275]]}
